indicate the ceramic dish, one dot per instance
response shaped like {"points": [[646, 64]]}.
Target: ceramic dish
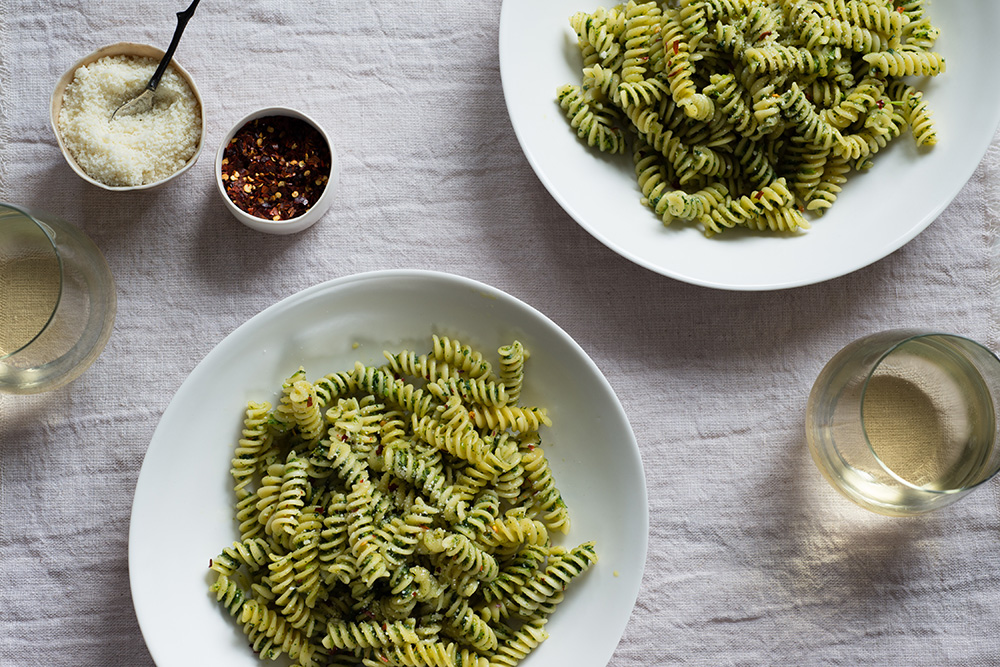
{"points": [[877, 212], [121, 49], [291, 225], [182, 513]]}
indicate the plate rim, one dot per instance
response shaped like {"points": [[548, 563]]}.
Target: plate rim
{"points": [[633, 452]]}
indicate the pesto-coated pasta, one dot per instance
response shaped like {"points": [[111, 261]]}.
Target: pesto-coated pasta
{"points": [[403, 514], [724, 102]]}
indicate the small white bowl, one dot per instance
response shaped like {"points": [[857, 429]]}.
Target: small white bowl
{"points": [[122, 49], [291, 225]]}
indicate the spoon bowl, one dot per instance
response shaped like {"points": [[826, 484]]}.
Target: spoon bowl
{"points": [[143, 102]]}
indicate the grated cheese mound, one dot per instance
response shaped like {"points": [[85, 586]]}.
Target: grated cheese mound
{"points": [[132, 150]]}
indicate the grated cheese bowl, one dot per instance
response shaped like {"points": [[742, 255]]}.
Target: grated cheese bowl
{"points": [[289, 225], [121, 49]]}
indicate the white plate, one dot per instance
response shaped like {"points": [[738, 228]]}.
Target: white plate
{"points": [[182, 512], [876, 214]]}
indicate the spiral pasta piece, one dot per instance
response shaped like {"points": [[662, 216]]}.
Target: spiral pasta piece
{"points": [[424, 472], [362, 535], [539, 591], [830, 185], [598, 34], [359, 426], [333, 535], [512, 369], [731, 100], [251, 553], [852, 36], [541, 493], [251, 448], [679, 68], [512, 577], [906, 63], [515, 646], [421, 366], [334, 385], [291, 498], [464, 554], [809, 163], [521, 419], [746, 209], [858, 102], [459, 355], [419, 654], [268, 493], [386, 388], [305, 410], [641, 20], [228, 594], [590, 122], [915, 112], [347, 635], [515, 531], [464, 625], [305, 555], [271, 635], [454, 433], [868, 15], [508, 483], [474, 390], [777, 58]]}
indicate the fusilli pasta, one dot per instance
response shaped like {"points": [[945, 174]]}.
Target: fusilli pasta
{"points": [[401, 515], [719, 100]]}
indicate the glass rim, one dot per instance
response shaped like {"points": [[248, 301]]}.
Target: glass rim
{"points": [[912, 336], [55, 250]]}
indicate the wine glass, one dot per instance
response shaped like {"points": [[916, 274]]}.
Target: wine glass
{"points": [[904, 422], [57, 301]]}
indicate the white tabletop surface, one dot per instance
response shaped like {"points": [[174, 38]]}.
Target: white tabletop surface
{"points": [[752, 559]]}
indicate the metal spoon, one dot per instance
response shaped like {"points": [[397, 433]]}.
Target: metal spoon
{"points": [[143, 102]]}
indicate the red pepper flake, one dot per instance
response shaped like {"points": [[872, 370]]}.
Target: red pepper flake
{"points": [[880, 104], [675, 45], [276, 167]]}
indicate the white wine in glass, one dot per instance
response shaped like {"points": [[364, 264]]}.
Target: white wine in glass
{"points": [[57, 301], [904, 422]]}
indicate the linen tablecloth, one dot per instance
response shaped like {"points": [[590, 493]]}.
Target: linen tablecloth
{"points": [[753, 559]]}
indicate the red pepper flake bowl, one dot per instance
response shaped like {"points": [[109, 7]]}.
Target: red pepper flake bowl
{"points": [[277, 170]]}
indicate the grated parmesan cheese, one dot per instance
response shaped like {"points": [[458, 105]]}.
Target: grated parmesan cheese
{"points": [[132, 150]]}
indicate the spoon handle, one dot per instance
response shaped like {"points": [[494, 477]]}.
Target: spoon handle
{"points": [[182, 21]]}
